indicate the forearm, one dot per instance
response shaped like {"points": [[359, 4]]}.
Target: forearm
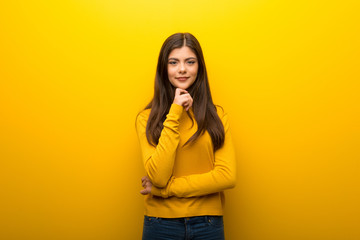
{"points": [[197, 184], [221, 177], [159, 161]]}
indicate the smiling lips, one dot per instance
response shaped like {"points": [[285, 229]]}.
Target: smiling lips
{"points": [[182, 78]]}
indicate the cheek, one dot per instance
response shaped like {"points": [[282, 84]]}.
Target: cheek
{"points": [[195, 71], [170, 72]]}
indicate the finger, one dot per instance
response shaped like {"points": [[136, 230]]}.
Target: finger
{"points": [[144, 192], [182, 92], [145, 181], [179, 91], [185, 99], [191, 102], [188, 107], [143, 178]]}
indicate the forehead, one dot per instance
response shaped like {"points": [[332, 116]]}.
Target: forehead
{"points": [[183, 52]]}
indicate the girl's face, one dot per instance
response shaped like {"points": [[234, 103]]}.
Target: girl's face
{"points": [[182, 67]]}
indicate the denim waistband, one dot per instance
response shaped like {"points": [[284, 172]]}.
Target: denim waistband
{"points": [[192, 219]]}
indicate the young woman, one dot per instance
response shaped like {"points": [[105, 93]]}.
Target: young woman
{"points": [[186, 147]]}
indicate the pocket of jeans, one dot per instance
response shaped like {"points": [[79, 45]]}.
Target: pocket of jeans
{"points": [[150, 220], [216, 221]]}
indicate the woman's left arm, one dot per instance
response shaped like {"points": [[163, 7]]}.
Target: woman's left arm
{"points": [[221, 177]]}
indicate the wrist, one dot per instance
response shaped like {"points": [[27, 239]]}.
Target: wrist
{"points": [[160, 192], [177, 103], [176, 108]]}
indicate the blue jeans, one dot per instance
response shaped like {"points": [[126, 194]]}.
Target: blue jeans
{"points": [[194, 228]]}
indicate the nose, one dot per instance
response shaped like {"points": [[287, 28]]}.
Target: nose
{"points": [[182, 68]]}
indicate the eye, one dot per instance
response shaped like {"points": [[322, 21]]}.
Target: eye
{"points": [[172, 62], [191, 62]]}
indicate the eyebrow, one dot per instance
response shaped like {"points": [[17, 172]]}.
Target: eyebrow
{"points": [[185, 59]]}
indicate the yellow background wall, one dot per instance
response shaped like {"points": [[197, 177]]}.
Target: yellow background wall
{"points": [[74, 74]]}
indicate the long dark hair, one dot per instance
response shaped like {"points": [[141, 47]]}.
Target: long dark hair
{"points": [[164, 92]]}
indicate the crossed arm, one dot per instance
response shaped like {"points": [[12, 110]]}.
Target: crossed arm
{"points": [[159, 162]]}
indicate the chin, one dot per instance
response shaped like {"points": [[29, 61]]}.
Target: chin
{"points": [[183, 86]]}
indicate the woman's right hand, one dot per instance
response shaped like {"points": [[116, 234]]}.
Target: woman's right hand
{"points": [[183, 98]]}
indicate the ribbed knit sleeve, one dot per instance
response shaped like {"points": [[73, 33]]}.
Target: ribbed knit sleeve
{"points": [[221, 177], [159, 161]]}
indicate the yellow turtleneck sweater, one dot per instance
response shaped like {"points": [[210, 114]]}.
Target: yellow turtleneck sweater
{"points": [[187, 181]]}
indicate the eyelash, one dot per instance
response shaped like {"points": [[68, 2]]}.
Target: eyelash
{"points": [[191, 62]]}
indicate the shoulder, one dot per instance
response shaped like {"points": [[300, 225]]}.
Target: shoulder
{"points": [[144, 113], [223, 116], [143, 116]]}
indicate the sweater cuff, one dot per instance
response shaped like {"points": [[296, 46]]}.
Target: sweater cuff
{"points": [[160, 192], [176, 109]]}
